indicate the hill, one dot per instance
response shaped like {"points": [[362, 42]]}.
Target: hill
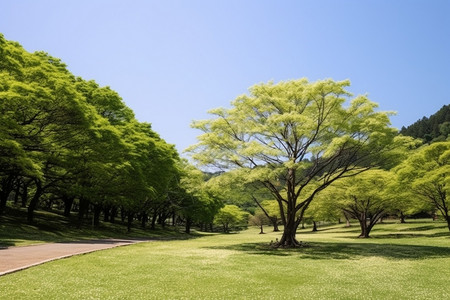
{"points": [[434, 128]]}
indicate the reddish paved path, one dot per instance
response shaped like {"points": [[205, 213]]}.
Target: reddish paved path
{"points": [[13, 259]]}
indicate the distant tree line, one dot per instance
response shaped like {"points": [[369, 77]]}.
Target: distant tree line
{"points": [[433, 128]]}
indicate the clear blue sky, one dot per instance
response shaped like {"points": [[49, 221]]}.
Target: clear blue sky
{"points": [[171, 61]]}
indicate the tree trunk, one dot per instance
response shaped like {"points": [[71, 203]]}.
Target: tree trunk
{"points": [[6, 189], [447, 218], [188, 225], [402, 218], [364, 229], [130, 217], [144, 218], [261, 229], [290, 230], [84, 203], [17, 192], [155, 215], [34, 201], [25, 194], [314, 226], [347, 220], [225, 227], [122, 214], [97, 211], [112, 217], [274, 221], [106, 211], [68, 202]]}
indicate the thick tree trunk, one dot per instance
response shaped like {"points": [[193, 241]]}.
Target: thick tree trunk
{"points": [[34, 201], [288, 238], [364, 228]]}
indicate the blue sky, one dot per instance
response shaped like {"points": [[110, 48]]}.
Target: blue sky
{"points": [[173, 60]]}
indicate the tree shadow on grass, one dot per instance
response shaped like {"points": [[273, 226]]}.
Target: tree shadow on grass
{"points": [[332, 250]]}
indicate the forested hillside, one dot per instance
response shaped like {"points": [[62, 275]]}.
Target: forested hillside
{"points": [[434, 128]]}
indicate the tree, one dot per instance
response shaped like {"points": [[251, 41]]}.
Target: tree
{"points": [[259, 219], [323, 208], [271, 211], [230, 215], [366, 197], [427, 173], [293, 134]]}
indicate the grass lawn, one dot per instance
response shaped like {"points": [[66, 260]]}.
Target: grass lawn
{"points": [[400, 261]]}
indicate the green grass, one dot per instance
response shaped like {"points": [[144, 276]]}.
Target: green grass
{"points": [[400, 261], [51, 227]]}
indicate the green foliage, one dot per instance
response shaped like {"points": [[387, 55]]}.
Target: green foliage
{"points": [[71, 141], [366, 197], [295, 138], [229, 216], [427, 172]]}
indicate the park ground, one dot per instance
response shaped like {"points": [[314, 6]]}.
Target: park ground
{"points": [[399, 261]]}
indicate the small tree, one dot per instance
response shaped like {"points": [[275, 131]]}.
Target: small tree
{"points": [[230, 215], [259, 219], [427, 172], [365, 197]]}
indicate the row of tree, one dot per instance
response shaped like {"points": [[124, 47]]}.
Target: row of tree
{"points": [[69, 143]]}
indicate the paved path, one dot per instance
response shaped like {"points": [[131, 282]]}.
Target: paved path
{"points": [[14, 259]]}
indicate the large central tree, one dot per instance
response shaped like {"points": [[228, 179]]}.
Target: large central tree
{"points": [[295, 138]]}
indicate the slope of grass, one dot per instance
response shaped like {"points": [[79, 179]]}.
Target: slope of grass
{"points": [[52, 227], [400, 261]]}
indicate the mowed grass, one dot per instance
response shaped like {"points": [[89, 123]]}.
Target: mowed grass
{"points": [[400, 261]]}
